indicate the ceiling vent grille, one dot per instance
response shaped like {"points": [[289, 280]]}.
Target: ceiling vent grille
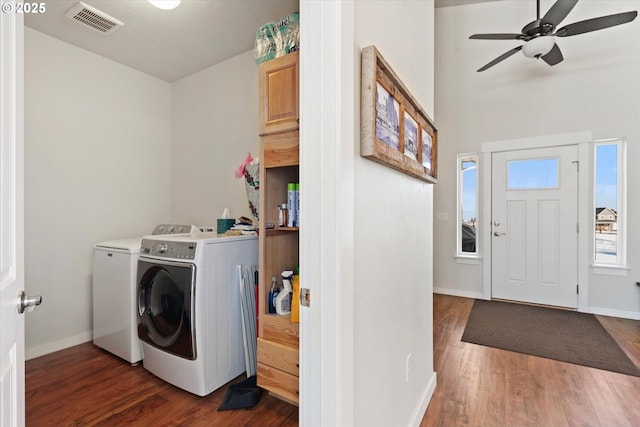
{"points": [[93, 18]]}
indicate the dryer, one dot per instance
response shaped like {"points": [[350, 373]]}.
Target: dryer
{"points": [[189, 308], [114, 312], [115, 320]]}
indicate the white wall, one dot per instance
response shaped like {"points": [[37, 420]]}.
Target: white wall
{"points": [[109, 153], [97, 167], [215, 125], [393, 240], [595, 89]]}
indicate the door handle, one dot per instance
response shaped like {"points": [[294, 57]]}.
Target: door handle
{"points": [[28, 304], [497, 234]]}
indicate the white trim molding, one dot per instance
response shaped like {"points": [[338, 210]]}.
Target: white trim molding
{"points": [[633, 315], [572, 138], [460, 293], [421, 408], [610, 270], [583, 141], [51, 347]]}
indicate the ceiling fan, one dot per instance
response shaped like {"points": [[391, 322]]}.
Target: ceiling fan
{"points": [[540, 34]]}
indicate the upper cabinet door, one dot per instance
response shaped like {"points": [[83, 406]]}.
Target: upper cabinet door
{"points": [[279, 103]]}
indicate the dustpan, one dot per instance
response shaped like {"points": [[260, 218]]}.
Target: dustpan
{"points": [[243, 395], [246, 393]]}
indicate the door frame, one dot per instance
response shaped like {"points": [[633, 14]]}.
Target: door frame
{"points": [[12, 272], [583, 140], [328, 120]]}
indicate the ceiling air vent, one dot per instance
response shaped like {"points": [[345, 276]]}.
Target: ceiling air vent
{"points": [[93, 18]]}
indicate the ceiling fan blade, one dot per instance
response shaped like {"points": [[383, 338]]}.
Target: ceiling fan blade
{"points": [[501, 58], [496, 36], [595, 24], [558, 12], [554, 56]]}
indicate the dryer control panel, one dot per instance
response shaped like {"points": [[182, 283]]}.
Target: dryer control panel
{"points": [[164, 249]]}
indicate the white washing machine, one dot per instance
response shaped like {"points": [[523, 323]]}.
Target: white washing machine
{"points": [[115, 320], [189, 308]]}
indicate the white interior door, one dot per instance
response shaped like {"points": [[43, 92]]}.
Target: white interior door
{"points": [[11, 218], [534, 247]]}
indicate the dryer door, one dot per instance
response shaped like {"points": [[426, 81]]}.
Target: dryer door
{"points": [[166, 308]]}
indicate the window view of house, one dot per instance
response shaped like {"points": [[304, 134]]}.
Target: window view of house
{"points": [[467, 203], [607, 198]]}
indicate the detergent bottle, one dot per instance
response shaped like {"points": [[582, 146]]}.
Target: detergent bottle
{"points": [[283, 300]]}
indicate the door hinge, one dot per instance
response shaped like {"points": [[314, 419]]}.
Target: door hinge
{"points": [[305, 297], [577, 227], [578, 289]]}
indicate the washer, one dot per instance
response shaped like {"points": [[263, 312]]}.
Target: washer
{"points": [[189, 308], [115, 322]]}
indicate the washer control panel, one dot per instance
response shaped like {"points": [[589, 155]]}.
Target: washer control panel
{"points": [[175, 229], [164, 249]]}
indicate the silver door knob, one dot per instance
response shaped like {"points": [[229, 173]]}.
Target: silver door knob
{"points": [[497, 234], [28, 304]]}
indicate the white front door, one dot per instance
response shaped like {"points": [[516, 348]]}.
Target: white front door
{"points": [[11, 218], [534, 220]]}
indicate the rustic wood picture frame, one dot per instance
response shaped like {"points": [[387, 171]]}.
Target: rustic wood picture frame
{"points": [[385, 105]]}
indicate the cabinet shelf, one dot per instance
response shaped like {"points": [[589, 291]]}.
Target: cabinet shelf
{"points": [[279, 230], [278, 336]]}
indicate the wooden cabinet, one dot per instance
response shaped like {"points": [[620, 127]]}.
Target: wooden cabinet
{"points": [[278, 337], [279, 99]]}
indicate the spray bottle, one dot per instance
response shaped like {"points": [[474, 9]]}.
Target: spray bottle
{"points": [[272, 296], [283, 300]]}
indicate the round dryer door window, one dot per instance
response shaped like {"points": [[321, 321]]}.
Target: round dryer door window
{"points": [[165, 306]]}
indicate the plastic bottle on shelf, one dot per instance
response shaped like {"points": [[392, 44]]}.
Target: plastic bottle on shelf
{"points": [[272, 296], [282, 215], [296, 197], [291, 203], [283, 300]]}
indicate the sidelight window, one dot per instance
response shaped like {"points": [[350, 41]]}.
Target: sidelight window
{"points": [[467, 223], [609, 210]]}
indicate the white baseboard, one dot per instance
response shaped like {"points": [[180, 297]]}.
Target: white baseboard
{"points": [[458, 293], [634, 315], [41, 350], [421, 409]]}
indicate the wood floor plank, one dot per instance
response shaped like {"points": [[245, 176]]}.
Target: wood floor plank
{"points": [[502, 388], [477, 386], [86, 386]]}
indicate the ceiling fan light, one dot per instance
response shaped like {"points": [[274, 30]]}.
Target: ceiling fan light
{"points": [[165, 4], [538, 47]]}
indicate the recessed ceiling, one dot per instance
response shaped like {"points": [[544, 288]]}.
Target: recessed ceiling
{"points": [[169, 44]]}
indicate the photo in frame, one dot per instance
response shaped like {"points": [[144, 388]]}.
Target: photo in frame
{"points": [[394, 129], [427, 150], [387, 118], [410, 137]]}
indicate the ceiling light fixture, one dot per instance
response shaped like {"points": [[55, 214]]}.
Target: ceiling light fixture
{"points": [[538, 47], [165, 4]]}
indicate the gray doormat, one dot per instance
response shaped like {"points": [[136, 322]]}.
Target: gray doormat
{"points": [[566, 336]]}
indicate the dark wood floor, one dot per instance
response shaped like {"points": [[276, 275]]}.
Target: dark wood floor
{"points": [[87, 386], [483, 386], [477, 386]]}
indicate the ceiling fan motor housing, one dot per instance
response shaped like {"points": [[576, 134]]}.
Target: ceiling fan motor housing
{"points": [[538, 28]]}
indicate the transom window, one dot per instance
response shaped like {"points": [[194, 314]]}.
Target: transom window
{"points": [[532, 174]]}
